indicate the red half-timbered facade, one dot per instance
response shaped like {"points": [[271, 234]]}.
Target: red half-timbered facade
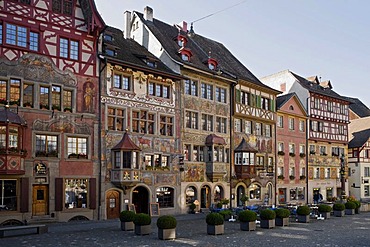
{"points": [[49, 81]]}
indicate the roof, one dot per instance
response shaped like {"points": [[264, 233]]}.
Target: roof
{"points": [[244, 147], [315, 87], [133, 54], [359, 138], [214, 139], [92, 17], [126, 144], [282, 99], [359, 108], [202, 49], [7, 116]]}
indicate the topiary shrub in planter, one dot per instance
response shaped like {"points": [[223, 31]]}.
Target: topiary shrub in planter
{"points": [[350, 208], [267, 218], [358, 206], [303, 214], [142, 224], [215, 224], [166, 227], [338, 209], [127, 217], [282, 217], [192, 208], [226, 214], [325, 210], [247, 219]]}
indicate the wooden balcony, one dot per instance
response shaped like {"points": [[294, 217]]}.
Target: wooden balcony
{"points": [[216, 171], [125, 177]]}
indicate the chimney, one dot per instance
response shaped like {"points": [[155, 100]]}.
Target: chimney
{"points": [[127, 26], [148, 13], [184, 26]]}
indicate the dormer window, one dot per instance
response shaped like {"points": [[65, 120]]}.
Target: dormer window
{"points": [[181, 40], [108, 37], [212, 64], [110, 52], [185, 54], [151, 64]]}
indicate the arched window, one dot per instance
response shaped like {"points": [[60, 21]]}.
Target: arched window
{"points": [[190, 194], [218, 193], [255, 192], [165, 197]]}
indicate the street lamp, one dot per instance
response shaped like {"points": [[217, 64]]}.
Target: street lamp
{"points": [[342, 177]]}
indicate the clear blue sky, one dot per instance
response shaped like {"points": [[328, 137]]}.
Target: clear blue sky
{"points": [[328, 38]]}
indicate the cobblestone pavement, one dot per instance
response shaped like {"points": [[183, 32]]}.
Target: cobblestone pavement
{"points": [[191, 231]]}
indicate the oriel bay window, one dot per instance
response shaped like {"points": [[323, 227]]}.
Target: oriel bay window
{"points": [[46, 145], [244, 158], [126, 159], [165, 197], [76, 193], [77, 147]]}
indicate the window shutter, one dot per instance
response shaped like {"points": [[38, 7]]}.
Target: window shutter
{"points": [[272, 105], [237, 92], [92, 193], [59, 194], [258, 101], [24, 195]]}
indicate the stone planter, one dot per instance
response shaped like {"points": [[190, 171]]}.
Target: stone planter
{"points": [[267, 224], [303, 218], [127, 226], [248, 226], [349, 211], [326, 215], [282, 221], [215, 229], [338, 213], [143, 230], [166, 234], [357, 210]]}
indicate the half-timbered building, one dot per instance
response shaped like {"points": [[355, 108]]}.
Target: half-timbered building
{"points": [[49, 167]]}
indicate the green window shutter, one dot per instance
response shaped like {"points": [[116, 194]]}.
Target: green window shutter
{"points": [[272, 105], [253, 100], [237, 92], [258, 101]]}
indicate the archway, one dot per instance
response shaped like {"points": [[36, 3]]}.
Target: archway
{"points": [[218, 193], [240, 192], [191, 194], [205, 199], [140, 198], [113, 204]]}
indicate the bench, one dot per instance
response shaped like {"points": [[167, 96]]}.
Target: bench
{"points": [[22, 230]]}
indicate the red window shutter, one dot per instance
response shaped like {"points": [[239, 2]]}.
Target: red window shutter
{"points": [[59, 195], [92, 193], [24, 195]]}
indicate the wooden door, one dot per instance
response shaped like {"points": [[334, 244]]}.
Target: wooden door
{"points": [[113, 204], [40, 200]]}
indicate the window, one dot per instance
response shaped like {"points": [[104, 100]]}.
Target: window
{"points": [[248, 127], [143, 122], [367, 171], [166, 125], [185, 57], [316, 174], [165, 197], [218, 154], [268, 130], [191, 194], [280, 121], [56, 97], [258, 129], [110, 52], [44, 97], [160, 161], [255, 192], [191, 120], [158, 90], [301, 125], [76, 193], [221, 94], [280, 171], [8, 194], [207, 122], [108, 37], [291, 149], [281, 147], [191, 87], [14, 93], [366, 190], [46, 145], [292, 171], [323, 150], [187, 152], [122, 82], [1, 33], [206, 91], [116, 119], [260, 161], [302, 149], [265, 103], [28, 95], [77, 145], [245, 98], [245, 158], [198, 153], [62, 6], [16, 35], [327, 173], [238, 125], [68, 49], [221, 124], [312, 149], [291, 123]]}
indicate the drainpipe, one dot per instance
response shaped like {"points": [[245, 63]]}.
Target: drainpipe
{"points": [[232, 105], [308, 108]]}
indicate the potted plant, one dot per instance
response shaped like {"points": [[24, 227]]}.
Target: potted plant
{"points": [[215, 224], [225, 202], [247, 219], [303, 214], [282, 217], [244, 199], [338, 209], [67, 109], [127, 220], [166, 227], [142, 224], [192, 207], [325, 210], [350, 207], [291, 177], [281, 153], [358, 206], [226, 213], [267, 218]]}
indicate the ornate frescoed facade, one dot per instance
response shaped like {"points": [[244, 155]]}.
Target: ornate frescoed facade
{"points": [[48, 66], [140, 104]]}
